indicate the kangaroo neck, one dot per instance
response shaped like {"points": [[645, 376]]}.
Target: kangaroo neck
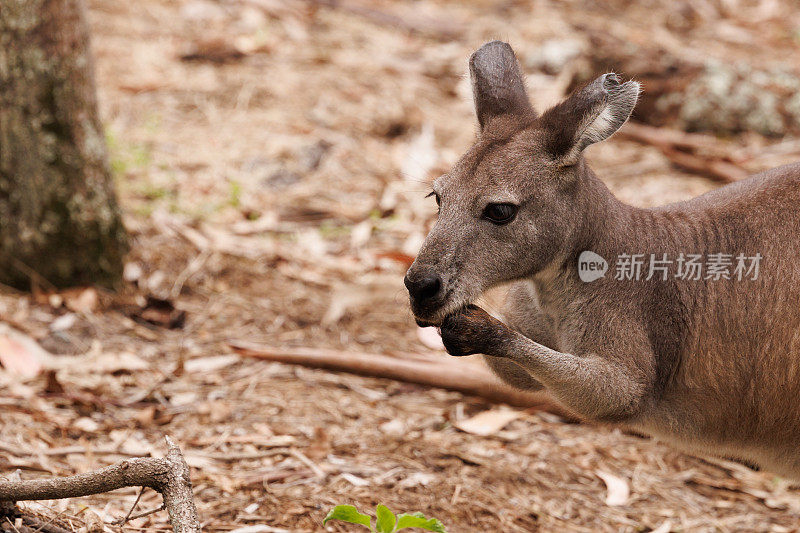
{"points": [[606, 227]]}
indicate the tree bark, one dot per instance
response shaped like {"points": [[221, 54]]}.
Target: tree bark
{"points": [[60, 222]]}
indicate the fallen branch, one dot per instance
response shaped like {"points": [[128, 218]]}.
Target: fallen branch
{"points": [[466, 378], [678, 139], [716, 170], [169, 476], [701, 154]]}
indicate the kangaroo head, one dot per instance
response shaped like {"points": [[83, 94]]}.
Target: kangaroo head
{"points": [[514, 204]]}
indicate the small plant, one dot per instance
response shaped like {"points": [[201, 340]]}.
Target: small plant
{"points": [[386, 522]]}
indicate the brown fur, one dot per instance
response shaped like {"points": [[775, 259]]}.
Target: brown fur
{"points": [[708, 365]]}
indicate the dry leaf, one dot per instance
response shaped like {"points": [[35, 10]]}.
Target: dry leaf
{"points": [[63, 322], [219, 411], [53, 386], [360, 234], [86, 424], [488, 422], [160, 312], [198, 461], [202, 12], [420, 155], [20, 354], [430, 338], [146, 416], [153, 415], [98, 362], [345, 298], [92, 521], [417, 479], [134, 446], [81, 300], [259, 529], [132, 272], [354, 480], [184, 398], [396, 256], [210, 364], [123, 362], [154, 281], [618, 490], [413, 243], [394, 428], [666, 527], [212, 49]]}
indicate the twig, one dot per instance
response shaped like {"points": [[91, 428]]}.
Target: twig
{"points": [[140, 515], [135, 503], [8, 511], [37, 280], [309, 463], [169, 476], [244, 456], [191, 269], [67, 450], [48, 527], [466, 378], [274, 475]]}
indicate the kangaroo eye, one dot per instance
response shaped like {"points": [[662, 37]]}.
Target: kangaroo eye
{"points": [[500, 213]]}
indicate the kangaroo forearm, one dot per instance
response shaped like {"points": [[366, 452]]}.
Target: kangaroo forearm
{"points": [[512, 373], [601, 388], [592, 386], [536, 328]]}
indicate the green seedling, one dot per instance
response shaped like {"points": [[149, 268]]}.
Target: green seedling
{"points": [[386, 521]]}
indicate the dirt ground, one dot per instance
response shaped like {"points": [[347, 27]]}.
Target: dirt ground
{"points": [[272, 159]]}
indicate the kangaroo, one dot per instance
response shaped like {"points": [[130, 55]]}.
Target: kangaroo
{"points": [[709, 362]]}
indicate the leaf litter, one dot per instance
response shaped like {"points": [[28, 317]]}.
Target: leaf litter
{"points": [[263, 185]]}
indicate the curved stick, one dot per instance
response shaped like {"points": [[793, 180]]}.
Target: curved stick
{"points": [[169, 476]]}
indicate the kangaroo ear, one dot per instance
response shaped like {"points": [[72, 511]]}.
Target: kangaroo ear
{"points": [[589, 115], [497, 84]]}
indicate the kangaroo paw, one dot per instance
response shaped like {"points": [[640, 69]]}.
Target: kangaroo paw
{"points": [[472, 330]]}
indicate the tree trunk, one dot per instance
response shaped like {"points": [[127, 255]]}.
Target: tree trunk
{"points": [[60, 223]]}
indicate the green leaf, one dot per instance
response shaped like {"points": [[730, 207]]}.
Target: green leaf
{"points": [[419, 520], [348, 513], [386, 519]]}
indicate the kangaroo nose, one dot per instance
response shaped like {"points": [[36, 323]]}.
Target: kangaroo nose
{"points": [[423, 287]]}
